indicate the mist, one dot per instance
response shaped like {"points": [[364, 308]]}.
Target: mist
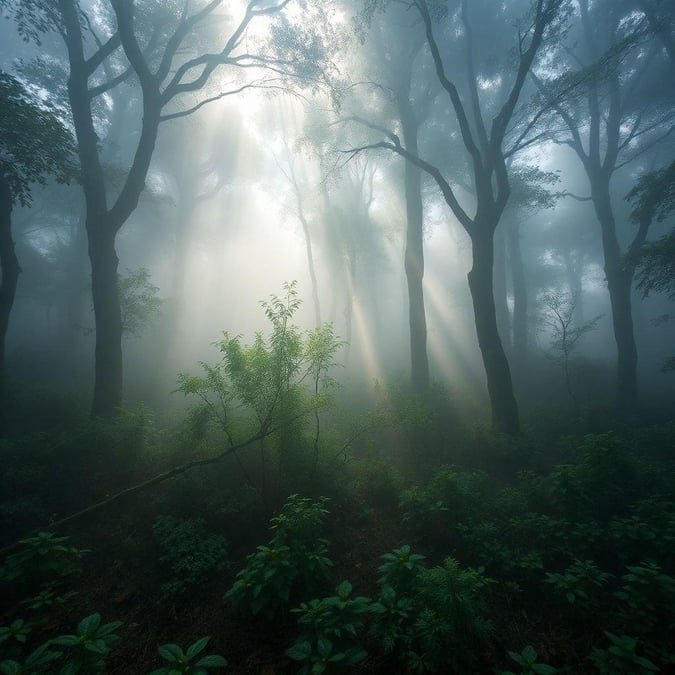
{"points": [[400, 271]]}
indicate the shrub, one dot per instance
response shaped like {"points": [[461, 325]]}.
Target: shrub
{"points": [[329, 630], [580, 583], [621, 658], [295, 558], [527, 660], [186, 661], [189, 553]]}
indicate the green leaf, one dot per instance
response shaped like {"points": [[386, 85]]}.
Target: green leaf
{"points": [[170, 652], [89, 624], [197, 647], [543, 669], [300, 651], [529, 654], [66, 640], [344, 589], [212, 661], [324, 647]]}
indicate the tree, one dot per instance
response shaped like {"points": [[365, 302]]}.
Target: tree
{"points": [[559, 310], [484, 146], [34, 145], [654, 198], [153, 57], [614, 111]]}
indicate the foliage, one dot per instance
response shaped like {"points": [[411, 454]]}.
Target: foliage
{"points": [[139, 302], [400, 569], [294, 559], [621, 658], [527, 660], [33, 663], [274, 383], [44, 560], [649, 594], [89, 645], [329, 629], [435, 622], [184, 662], [656, 267], [653, 195], [600, 484], [35, 144], [579, 583], [451, 497], [565, 332], [190, 554], [453, 626]]}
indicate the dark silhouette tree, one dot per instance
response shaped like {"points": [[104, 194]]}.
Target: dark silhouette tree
{"points": [[484, 145], [612, 114], [153, 57]]}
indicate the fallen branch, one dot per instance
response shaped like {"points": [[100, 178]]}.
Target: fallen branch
{"points": [[160, 478]]}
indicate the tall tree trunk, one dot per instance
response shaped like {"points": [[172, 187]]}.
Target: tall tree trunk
{"points": [[414, 251], [107, 314], [619, 284], [520, 327], [312, 272], [10, 269], [503, 404], [414, 270]]}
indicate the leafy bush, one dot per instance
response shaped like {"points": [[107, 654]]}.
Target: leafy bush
{"points": [[621, 658], [649, 597], [271, 386], [435, 622], [602, 482], [527, 660], [89, 645], [295, 558], [187, 662], [580, 583], [190, 554], [400, 569], [329, 630], [451, 497], [44, 557], [453, 627]]}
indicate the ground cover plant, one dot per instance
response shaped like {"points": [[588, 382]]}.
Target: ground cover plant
{"points": [[490, 555]]}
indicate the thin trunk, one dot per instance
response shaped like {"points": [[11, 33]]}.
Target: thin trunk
{"points": [[414, 253], [619, 284], [520, 328], [505, 418], [414, 270], [312, 272], [10, 269]]}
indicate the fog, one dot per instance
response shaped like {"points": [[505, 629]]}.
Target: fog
{"points": [[298, 173], [337, 336]]}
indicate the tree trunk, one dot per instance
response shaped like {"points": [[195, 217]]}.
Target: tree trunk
{"points": [[619, 284], [520, 328], [108, 354], [310, 260], [10, 268], [503, 404], [414, 270], [414, 252]]}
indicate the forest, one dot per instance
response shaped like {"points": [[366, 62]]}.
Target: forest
{"points": [[337, 336]]}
